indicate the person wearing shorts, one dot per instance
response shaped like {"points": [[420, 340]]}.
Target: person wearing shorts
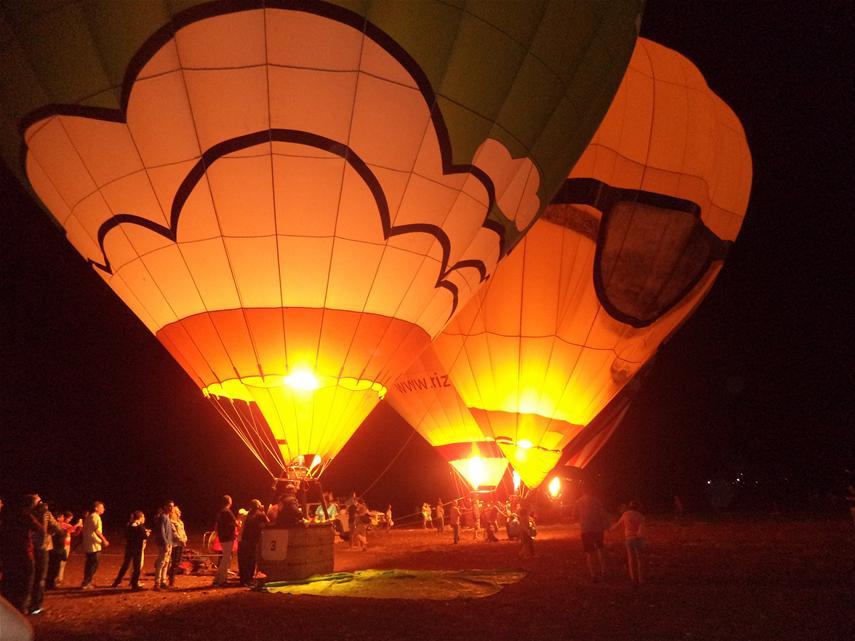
{"points": [[593, 520], [632, 521]]}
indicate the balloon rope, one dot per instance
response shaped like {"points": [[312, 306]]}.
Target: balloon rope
{"points": [[233, 424], [386, 469]]}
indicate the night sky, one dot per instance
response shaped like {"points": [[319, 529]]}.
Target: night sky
{"points": [[759, 381]]}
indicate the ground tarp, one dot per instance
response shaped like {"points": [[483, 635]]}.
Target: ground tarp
{"points": [[440, 585]]}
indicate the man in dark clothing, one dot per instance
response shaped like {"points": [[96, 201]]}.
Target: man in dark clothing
{"points": [[42, 546], [135, 537], [16, 546], [288, 513], [226, 523], [351, 516], [249, 540]]}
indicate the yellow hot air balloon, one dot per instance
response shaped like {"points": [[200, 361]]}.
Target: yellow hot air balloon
{"points": [[628, 248], [425, 397], [294, 197]]}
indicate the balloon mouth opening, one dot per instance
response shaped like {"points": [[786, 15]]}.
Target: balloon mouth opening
{"points": [[298, 382], [481, 473]]}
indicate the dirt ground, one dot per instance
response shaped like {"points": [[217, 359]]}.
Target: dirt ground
{"points": [[722, 580]]}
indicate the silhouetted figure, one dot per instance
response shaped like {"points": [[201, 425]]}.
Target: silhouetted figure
{"points": [[250, 539], [454, 519], [593, 521], [16, 547], [136, 535], [226, 524]]}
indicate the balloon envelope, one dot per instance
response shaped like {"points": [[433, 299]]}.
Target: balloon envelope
{"points": [[294, 197], [627, 249], [425, 397]]}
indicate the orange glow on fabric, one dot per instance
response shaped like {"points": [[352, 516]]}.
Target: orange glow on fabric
{"points": [[296, 199], [428, 401], [623, 255]]}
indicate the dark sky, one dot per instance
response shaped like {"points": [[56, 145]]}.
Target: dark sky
{"points": [[759, 381]]}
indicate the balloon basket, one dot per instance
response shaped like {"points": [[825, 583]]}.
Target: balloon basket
{"points": [[289, 554]]}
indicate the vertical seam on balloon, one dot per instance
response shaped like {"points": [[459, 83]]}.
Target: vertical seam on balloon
{"points": [[553, 343], [335, 240], [273, 195], [684, 91], [107, 206], [568, 387], [173, 229], [202, 169]]}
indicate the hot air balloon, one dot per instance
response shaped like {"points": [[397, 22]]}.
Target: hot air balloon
{"points": [[296, 196], [627, 249], [424, 396]]}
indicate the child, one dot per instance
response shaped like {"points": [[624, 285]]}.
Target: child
{"points": [[633, 534]]}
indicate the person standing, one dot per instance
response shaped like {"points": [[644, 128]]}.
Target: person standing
{"points": [[61, 549], [491, 525], [58, 554], [16, 551], [226, 524], [632, 521], [135, 537], [440, 516], [476, 517], [163, 535], [256, 520], [427, 522], [42, 547], [179, 542], [526, 530], [593, 520], [289, 514], [454, 519], [351, 516], [93, 542], [389, 521], [360, 527]]}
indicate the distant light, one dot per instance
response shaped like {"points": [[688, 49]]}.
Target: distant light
{"points": [[525, 444], [554, 487], [517, 480], [709, 482], [302, 380]]}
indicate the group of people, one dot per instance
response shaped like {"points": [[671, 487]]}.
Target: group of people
{"points": [[351, 520], [168, 535], [35, 545], [484, 517]]}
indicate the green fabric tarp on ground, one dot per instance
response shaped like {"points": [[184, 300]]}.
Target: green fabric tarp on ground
{"points": [[437, 585]]}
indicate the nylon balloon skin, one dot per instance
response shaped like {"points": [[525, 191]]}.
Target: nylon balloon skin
{"points": [[623, 255], [426, 399], [296, 196]]}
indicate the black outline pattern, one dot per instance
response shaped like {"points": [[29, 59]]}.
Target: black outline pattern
{"points": [[595, 193], [222, 7]]}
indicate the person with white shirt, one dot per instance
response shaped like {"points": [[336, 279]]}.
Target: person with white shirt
{"points": [[93, 542]]}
